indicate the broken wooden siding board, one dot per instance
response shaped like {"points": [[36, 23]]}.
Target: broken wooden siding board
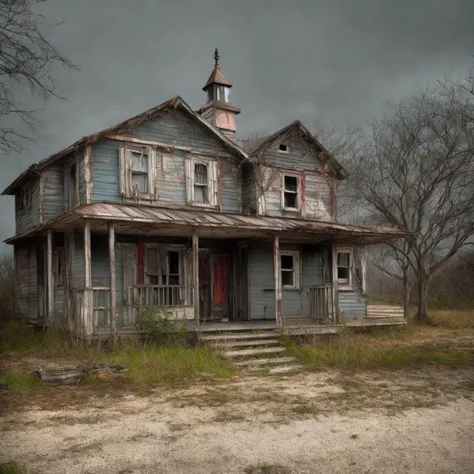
{"points": [[353, 304], [31, 217], [54, 194]]}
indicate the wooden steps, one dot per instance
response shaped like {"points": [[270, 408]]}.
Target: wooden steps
{"points": [[254, 351], [375, 311]]}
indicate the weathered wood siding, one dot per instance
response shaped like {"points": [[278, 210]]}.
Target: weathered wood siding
{"points": [[316, 188], [171, 129], [29, 218], [82, 179], [314, 264], [26, 280], [249, 191], [352, 304], [53, 188]]}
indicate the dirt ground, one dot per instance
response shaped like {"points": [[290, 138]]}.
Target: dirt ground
{"points": [[406, 421]]}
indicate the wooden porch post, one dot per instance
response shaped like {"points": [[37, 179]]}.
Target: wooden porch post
{"points": [[88, 297], [363, 265], [278, 293], [335, 300], [196, 281], [49, 275], [113, 316]]}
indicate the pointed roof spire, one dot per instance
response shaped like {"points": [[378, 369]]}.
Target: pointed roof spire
{"points": [[217, 76]]}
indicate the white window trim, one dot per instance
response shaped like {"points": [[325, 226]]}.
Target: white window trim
{"points": [[212, 180], [296, 269], [284, 152], [126, 170], [344, 284], [298, 191]]}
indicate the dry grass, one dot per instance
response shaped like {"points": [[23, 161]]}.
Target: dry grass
{"points": [[453, 319]]}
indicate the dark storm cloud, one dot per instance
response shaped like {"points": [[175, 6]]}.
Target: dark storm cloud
{"points": [[340, 60]]}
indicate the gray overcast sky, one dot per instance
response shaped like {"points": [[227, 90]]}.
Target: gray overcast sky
{"points": [[336, 59]]}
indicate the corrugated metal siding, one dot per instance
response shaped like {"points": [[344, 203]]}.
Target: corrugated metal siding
{"points": [[353, 304], [170, 180], [26, 281], [31, 217], [53, 186]]}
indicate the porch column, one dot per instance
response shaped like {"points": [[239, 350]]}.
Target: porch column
{"points": [[278, 293], [363, 267], [49, 275], [335, 299], [113, 316], [88, 296], [196, 280]]}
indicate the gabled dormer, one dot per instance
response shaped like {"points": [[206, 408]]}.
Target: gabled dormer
{"points": [[218, 110]]}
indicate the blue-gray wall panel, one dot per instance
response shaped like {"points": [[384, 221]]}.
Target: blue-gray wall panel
{"points": [[353, 304], [53, 186]]}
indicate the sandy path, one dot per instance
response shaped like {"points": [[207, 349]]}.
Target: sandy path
{"points": [[199, 431]]}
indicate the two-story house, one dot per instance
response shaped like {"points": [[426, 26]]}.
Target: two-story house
{"points": [[167, 210]]}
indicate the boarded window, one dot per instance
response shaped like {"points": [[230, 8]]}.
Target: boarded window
{"points": [[290, 192], [344, 264], [289, 269]]}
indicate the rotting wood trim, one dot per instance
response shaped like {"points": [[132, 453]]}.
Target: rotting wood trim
{"points": [[278, 292], [88, 172], [49, 273], [112, 293]]}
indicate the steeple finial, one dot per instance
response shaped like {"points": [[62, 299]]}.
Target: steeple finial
{"points": [[216, 57]]}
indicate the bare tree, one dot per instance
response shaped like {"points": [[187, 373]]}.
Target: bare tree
{"points": [[417, 172], [27, 59]]}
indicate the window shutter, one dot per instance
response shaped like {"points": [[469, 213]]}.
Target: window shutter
{"points": [[214, 182], [189, 171], [123, 172]]}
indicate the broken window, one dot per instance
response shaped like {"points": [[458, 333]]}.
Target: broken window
{"points": [[24, 200], [137, 171], [290, 192], [344, 264], [201, 181], [289, 269], [283, 148]]}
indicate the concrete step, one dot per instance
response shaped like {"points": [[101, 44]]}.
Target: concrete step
{"points": [[235, 337], [254, 352], [263, 362], [252, 343]]}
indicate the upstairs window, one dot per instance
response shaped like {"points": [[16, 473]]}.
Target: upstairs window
{"points": [[283, 148], [290, 192], [344, 266], [137, 172], [289, 269], [24, 199], [201, 182]]}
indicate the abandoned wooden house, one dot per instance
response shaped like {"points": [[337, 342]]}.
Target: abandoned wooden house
{"points": [[166, 210]]}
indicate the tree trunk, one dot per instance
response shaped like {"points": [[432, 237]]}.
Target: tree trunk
{"points": [[406, 295], [422, 313]]}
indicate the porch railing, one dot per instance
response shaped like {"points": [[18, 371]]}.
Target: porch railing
{"points": [[160, 295], [321, 303]]}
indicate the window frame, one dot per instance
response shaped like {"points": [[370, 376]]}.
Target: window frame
{"points": [[24, 198], [212, 181], [344, 283], [298, 191], [285, 152], [296, 269], [126, 170]]}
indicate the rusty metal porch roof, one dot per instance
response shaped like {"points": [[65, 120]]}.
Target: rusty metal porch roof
{"points": [[214, 222]]}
